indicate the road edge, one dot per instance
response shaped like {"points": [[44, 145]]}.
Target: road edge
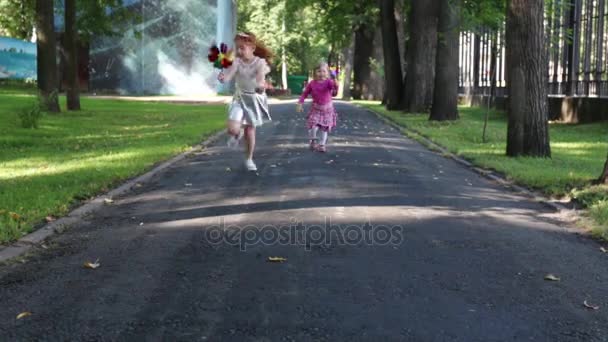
{"points": [[77, 215], [488, 174]]}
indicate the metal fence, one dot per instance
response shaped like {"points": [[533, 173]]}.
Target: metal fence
{"points": [[576, 38]]}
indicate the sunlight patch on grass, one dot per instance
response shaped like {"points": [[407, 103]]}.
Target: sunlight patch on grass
{"points": [[75, 155]]}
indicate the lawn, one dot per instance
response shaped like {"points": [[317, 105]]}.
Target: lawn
{"points": [[75, 155], [578, 154]]}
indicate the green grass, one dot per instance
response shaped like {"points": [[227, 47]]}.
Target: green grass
{"points": [[578, 154], [16, 87], [75, 155]]}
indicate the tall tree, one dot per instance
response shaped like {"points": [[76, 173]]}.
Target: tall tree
{"points": [[377, 80], [421, 51], [364, 40], [392, 57], [347, 70], [47, 60], [445, 95], [528, 129], [71, 56], [365, 24]]}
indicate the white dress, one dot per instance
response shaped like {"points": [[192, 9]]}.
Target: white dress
{"points": [[248, 106]]}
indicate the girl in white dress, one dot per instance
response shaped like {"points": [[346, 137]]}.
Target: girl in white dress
{"points": [[249, 107]]}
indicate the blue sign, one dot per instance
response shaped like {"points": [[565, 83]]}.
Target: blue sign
{"points": [[17, 59]]}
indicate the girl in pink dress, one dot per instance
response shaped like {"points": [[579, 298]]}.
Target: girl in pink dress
{"points": [[322, 115]]}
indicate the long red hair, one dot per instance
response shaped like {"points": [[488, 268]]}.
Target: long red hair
{"points": [[260, 49]]}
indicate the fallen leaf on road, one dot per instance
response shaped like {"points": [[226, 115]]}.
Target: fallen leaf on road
{"points": [[188, 184], [273, 165], [138, 185], [141, 223], [552, 277], [228, 169], [92, 265], [108, 201], [604, 250], [589, 306], [24, 314], [50, 219], [276, 259], [329, 161]]}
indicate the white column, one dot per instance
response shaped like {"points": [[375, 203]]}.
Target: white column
{"points": [[226, 29]]}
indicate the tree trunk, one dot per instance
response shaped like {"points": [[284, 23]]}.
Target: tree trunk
{"points": [[392, 58], [283, 58], [46, 58], [445, 95], [347, 70], [528, 129], [491, 95], [364, 43], [377, 82], [401, 37], [331, 56], [71, 46], [604, 177], [421, 51]]}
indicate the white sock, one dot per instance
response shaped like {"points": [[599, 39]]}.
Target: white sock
{"points": [[323, 137], [312, 133]]}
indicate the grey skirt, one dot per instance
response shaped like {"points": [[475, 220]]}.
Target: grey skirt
{"points": [[250, 108]]}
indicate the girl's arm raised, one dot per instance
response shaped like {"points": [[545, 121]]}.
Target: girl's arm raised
{"points": [[334, 87], [228, 74]]}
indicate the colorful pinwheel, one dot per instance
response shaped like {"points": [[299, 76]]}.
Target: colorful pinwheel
{"points": [[221, 57]]}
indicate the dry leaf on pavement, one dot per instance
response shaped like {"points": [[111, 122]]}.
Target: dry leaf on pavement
{"points": [[276, 259], [552, 277], [24, 314], [589, 306], [92, 265]]}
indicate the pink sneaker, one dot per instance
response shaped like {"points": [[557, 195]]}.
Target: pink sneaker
{"points": [[321, 148], [313, 144]]}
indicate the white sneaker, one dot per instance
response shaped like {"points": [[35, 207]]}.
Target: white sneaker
{"points": [[233, 141], [250, 165]]}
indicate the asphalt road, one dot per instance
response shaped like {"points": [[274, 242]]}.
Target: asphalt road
{"points": [[383, 240]]}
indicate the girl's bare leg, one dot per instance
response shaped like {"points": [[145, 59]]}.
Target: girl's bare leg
{"points": [[234, 128], [250, 138]]}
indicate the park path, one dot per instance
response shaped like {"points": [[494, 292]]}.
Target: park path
{"points": [[420, 249]]}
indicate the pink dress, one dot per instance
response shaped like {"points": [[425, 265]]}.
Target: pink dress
{"points": [[322, 112]]}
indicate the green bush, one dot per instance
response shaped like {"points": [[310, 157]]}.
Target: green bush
{"points": [[30, 115], [591, 195]]}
